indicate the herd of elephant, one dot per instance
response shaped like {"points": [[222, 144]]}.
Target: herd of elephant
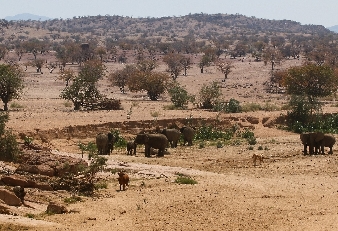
{"points": [[316, 142], [160, 141]]}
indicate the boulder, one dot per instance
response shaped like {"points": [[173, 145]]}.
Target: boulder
{"points": [[9, 197], [56, 208], [4, 209]]}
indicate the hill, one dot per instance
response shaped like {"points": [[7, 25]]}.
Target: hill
{"points": [[333, 28], [26, 16]]}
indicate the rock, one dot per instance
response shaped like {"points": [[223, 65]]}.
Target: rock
{"points": [[19, 192], [9, 197], [36, 169], [15, 180], [49, 164], [45, 187], [56, 208], [253, 120], [4, 209]]}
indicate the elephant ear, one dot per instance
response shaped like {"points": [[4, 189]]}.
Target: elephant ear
{"points": [[319, 136]]}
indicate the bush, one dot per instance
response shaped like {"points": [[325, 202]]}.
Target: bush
{"points": [[233, 106], [209, 95], [9, 149], [182, 179], [120, 142], [179, 96]]}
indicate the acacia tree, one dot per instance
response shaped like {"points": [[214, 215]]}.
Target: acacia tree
{"points": [[272, 56], [186, 63], [120, 78], [11, 83], [209, 95], [225, 68], [83, 88], [154, 83], [174, 64], [312, 81]]}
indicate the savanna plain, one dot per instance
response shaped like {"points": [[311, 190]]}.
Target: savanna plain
{"points": [[287, 191]]}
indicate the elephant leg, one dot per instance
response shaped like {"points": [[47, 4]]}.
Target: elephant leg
{"points": [[147, 151], [311, 149], [331, 152], [161, 152], [305, 149]]}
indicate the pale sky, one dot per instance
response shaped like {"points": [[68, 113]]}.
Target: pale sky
{"points": [[318, 12]]}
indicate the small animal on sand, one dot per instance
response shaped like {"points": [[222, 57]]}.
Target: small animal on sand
{"points": [[123, 180], [258, 157]]}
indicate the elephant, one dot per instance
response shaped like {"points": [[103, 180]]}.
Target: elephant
{"points": [[105, 143], [157, 141], [173, 135], [328, 141], [188, 135], [131, 145], [311, 139]]}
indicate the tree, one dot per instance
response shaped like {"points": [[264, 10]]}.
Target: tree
{"points": [[11, 83], [312, 81], [205, 62], [179, 95], [3, 51], [186, 63], [154, 83], [120, 78], [83, 89], [67, 75], [209, 95], [174, 64], [225, 68], [273, 56]]}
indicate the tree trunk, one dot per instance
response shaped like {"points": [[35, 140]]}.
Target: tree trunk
{"points": [[6, 106]]}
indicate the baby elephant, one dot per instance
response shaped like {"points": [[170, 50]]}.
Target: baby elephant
{"points": [[123, 180], [131, 145]]}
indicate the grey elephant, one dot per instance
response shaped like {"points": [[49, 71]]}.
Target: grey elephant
{"points": [[173, 135], [328, 141], [157, 141], [188, 135], [131, 146], [104, 143], [311, 139]]}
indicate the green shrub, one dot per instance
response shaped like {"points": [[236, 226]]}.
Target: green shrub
{"points": [[120, 142], [179, 96], [251, 107], [252, 140], [233, 106], [181, 179], [72, 199], [260, 148]]}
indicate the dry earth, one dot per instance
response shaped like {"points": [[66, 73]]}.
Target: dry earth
{"points": [[288, 191]]}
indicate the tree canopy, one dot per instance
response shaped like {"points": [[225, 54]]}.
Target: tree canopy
{"points": [[11, 83], [311, 80]]}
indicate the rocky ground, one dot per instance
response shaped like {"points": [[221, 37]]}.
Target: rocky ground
{"points": [[288, 191]]}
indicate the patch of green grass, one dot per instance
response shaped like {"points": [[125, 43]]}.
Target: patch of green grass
{"points": [[72, 199], [184, 179], [101, 185], [16, 105], [30, 215]]}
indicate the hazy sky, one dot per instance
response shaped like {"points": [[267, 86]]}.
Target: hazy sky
{"points": [[318, 12]]}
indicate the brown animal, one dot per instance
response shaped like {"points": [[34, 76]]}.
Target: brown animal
{"points": [[123, 180], [258, 157]]}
